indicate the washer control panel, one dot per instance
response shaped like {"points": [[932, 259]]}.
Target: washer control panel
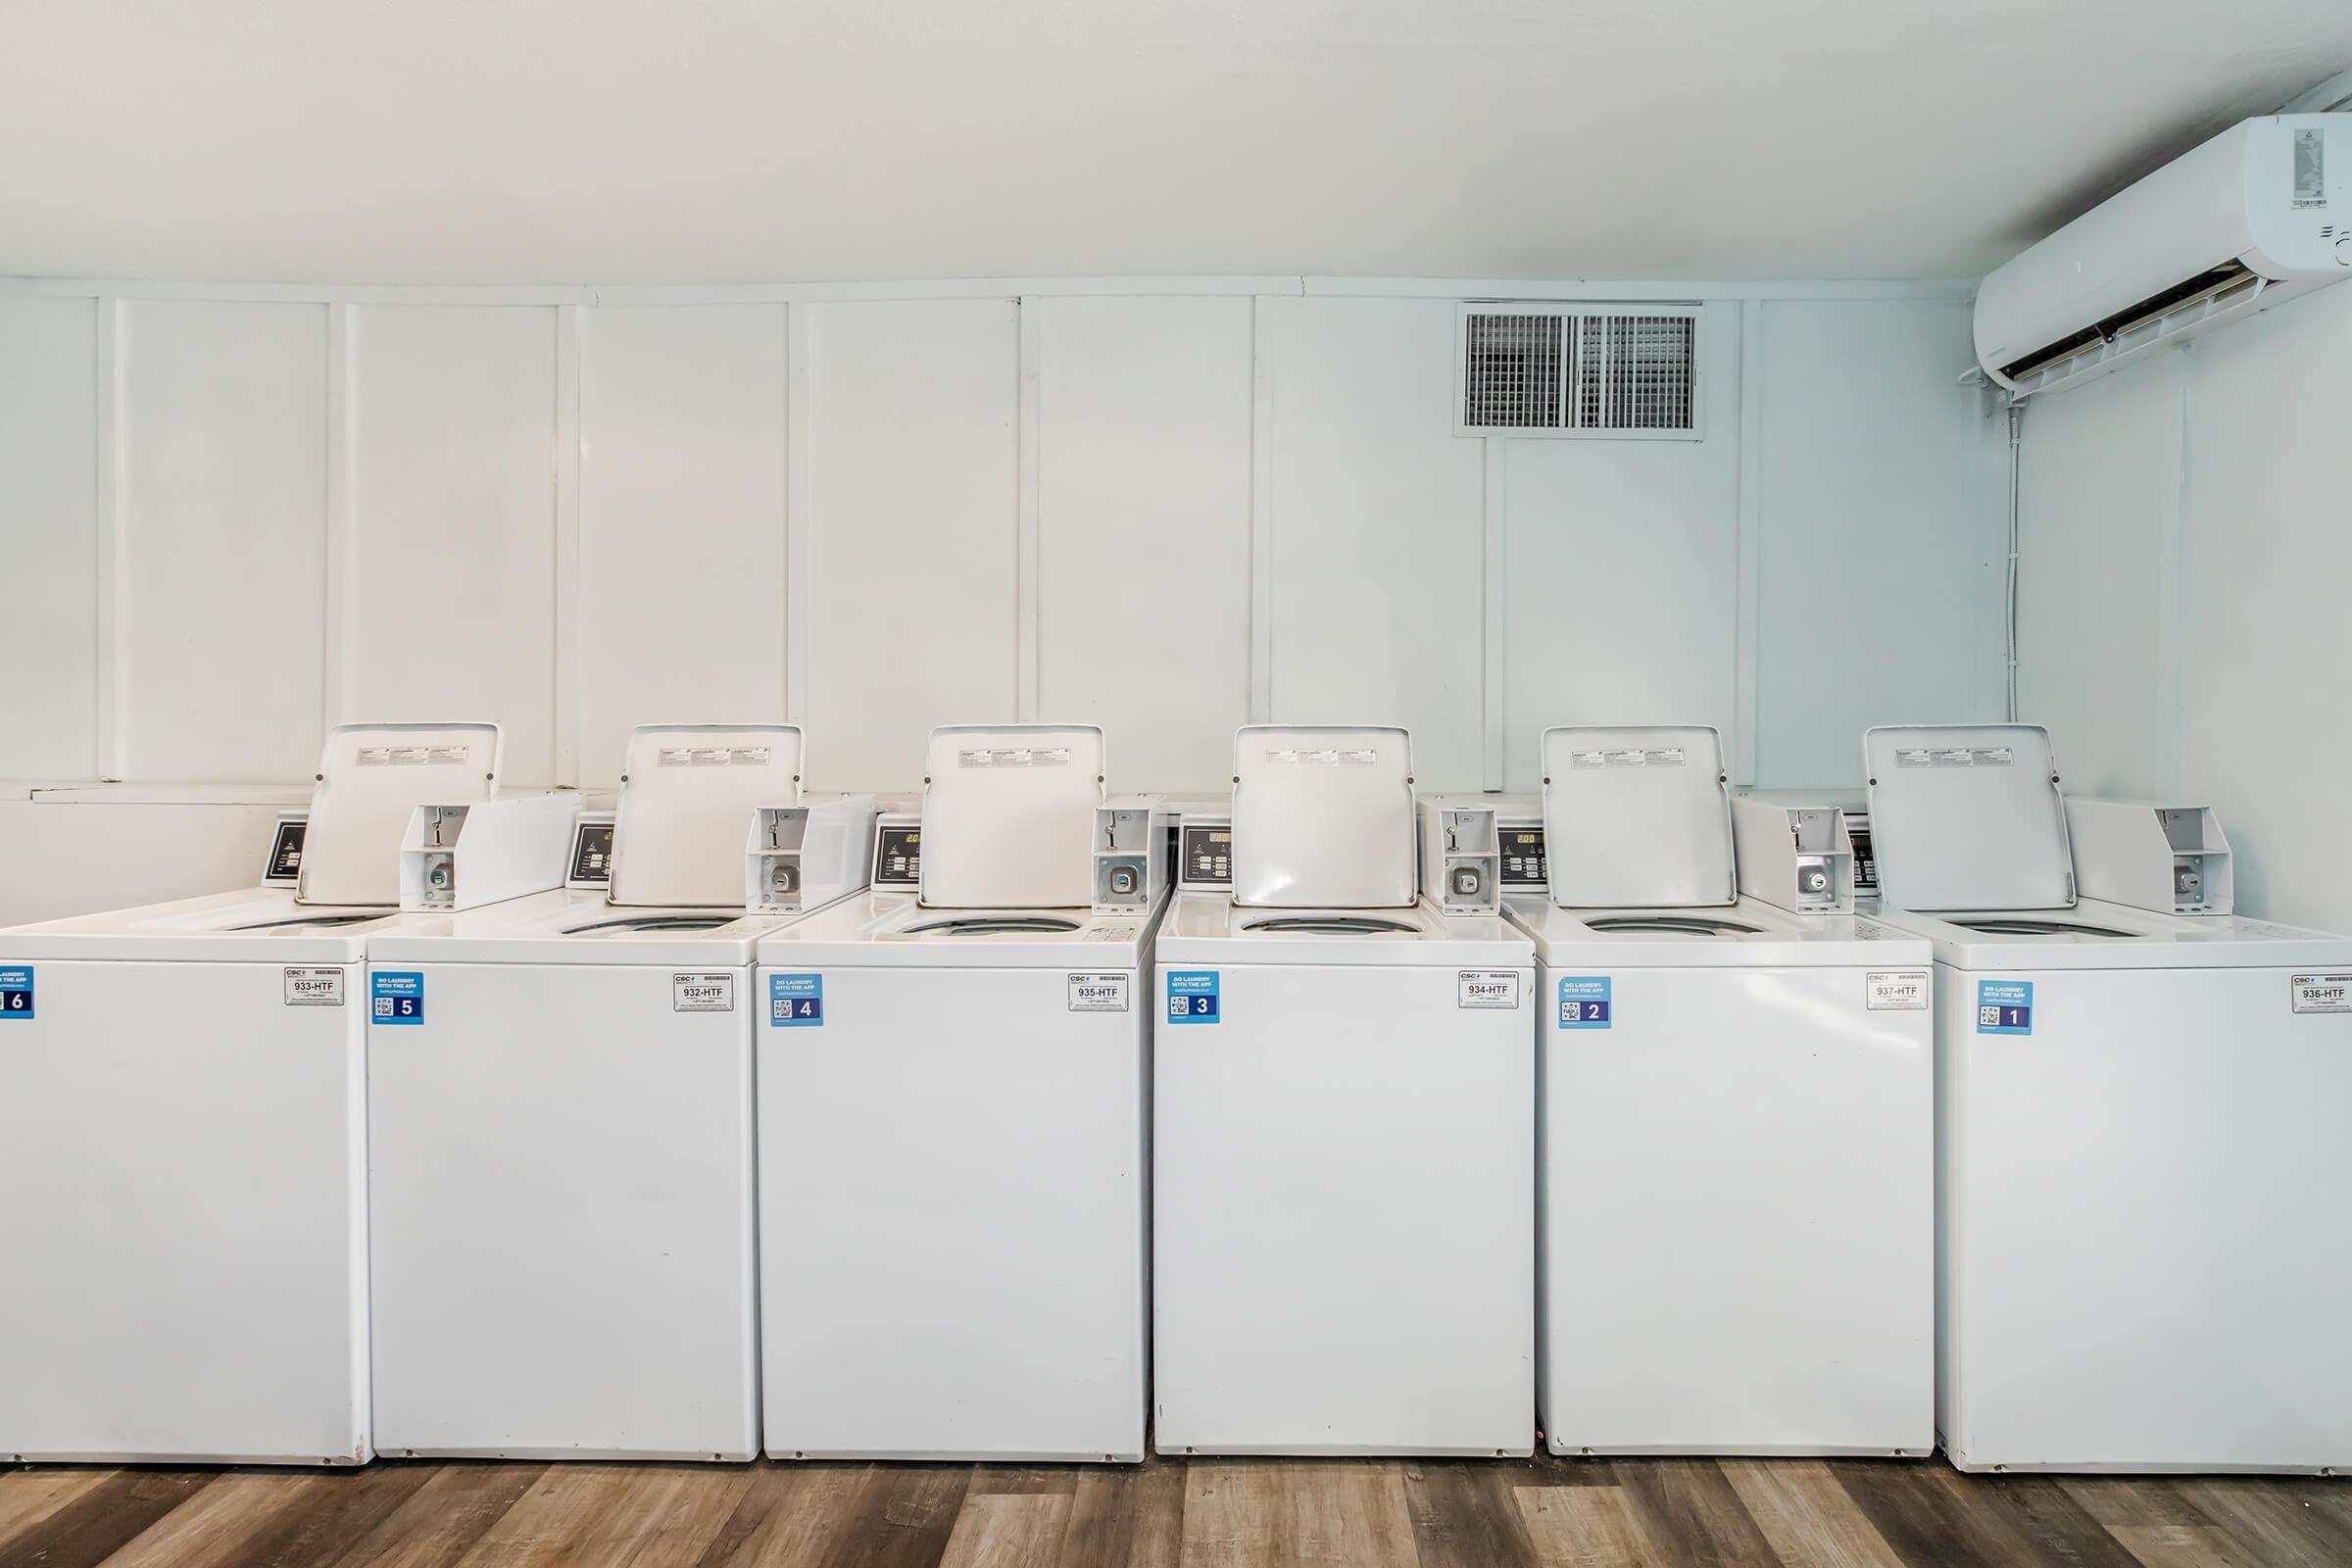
{"points": [[1523, 860], [897, 855], [591, 853], [1204, 857], [285, 867]]}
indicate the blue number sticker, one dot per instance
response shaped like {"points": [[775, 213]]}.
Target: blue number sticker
{"points": [[396, 997], [1585, 1002], [2004, 1007], [1192, 996], [795, 1001], [16, 993]]}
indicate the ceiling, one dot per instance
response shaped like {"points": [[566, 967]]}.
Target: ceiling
{"points": [[620, 141]]}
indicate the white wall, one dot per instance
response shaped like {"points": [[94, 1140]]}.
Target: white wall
{"points": [[237, 515], [2184, 607]]}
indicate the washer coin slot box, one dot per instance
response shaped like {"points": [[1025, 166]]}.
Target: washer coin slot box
{"points": [[485, 852], [804, 857], [2172, 860], [1131, 853], [1461, 857], [1794, 857]]}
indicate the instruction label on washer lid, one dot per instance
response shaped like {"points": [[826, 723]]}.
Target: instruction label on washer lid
{"points": [[715, 756], [1896, 989], [2312, 993], [1098, 993], [1629, 756], [16, 994], [1489, 988], [1955, 757], [314, 988], [1324, 756], [702, 993], [412, 756], [1014, 757]]}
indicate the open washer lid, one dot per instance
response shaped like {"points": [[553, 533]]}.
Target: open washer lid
{"points": [[1967, 817], [1008, 816], [1323, 817], [687, 795], [372, 778], [1637, 817]]}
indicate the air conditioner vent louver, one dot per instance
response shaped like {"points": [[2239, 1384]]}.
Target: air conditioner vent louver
{"points": [[1511, 371], [1572, 371]]}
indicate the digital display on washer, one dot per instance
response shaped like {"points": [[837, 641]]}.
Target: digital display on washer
{"points": [[285, 853], [592, 852], [897, 856], [1207, 854], [1523, 857]]}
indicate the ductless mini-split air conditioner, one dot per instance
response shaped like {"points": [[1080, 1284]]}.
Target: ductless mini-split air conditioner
{"points": [[2256, 216]]}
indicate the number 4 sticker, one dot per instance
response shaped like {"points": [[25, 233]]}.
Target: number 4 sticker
{"points": [[795, 1001]]}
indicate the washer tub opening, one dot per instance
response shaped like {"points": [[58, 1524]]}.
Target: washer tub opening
{"points": [[1675, 925], [1334, 925], [2011, 926], [993, 925]]}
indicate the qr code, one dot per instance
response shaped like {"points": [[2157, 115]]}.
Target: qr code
{"points": [[1179, 1006], [383, 1006], [1989, 1017]]}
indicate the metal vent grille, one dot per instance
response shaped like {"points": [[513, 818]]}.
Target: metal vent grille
{"points": [[1511, 371], [1569, 372]]}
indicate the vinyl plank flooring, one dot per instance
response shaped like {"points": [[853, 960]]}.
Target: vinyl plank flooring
{"points": [[902, 1518], [790, 1516], [1584, 1527], [218, 1526], [2294, 1524], [440, 1521], [30, 1495], [2054, 1526], [102, 1518], [1806, 1516], [1204, 1513], [1006, 1529], [341, 1512], [1465, 1515], [1262, 1513], [1930, 1525], [1688, 1509]]}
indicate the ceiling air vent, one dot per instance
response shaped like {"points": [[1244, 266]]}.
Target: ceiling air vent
{"points": [[1570, 371]]}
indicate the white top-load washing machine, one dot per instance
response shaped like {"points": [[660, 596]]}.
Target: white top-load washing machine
{"points": [[2144, 1259], [560, 1122], [1344, 1127], [953, 1093], [1737, 1205], [183, 1270]]}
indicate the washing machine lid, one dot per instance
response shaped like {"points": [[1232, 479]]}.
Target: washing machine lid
{"points": [[576, 926], [1008, 816], [1637, 817], [1207, 929], [1747, 934], [688, 793], [2095, 935], [262, 925], [891, 930], [372, 778], [1323, 816], [1967, 817]]}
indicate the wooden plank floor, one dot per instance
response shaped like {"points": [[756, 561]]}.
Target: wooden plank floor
{"points": [[1544, 1513]]}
